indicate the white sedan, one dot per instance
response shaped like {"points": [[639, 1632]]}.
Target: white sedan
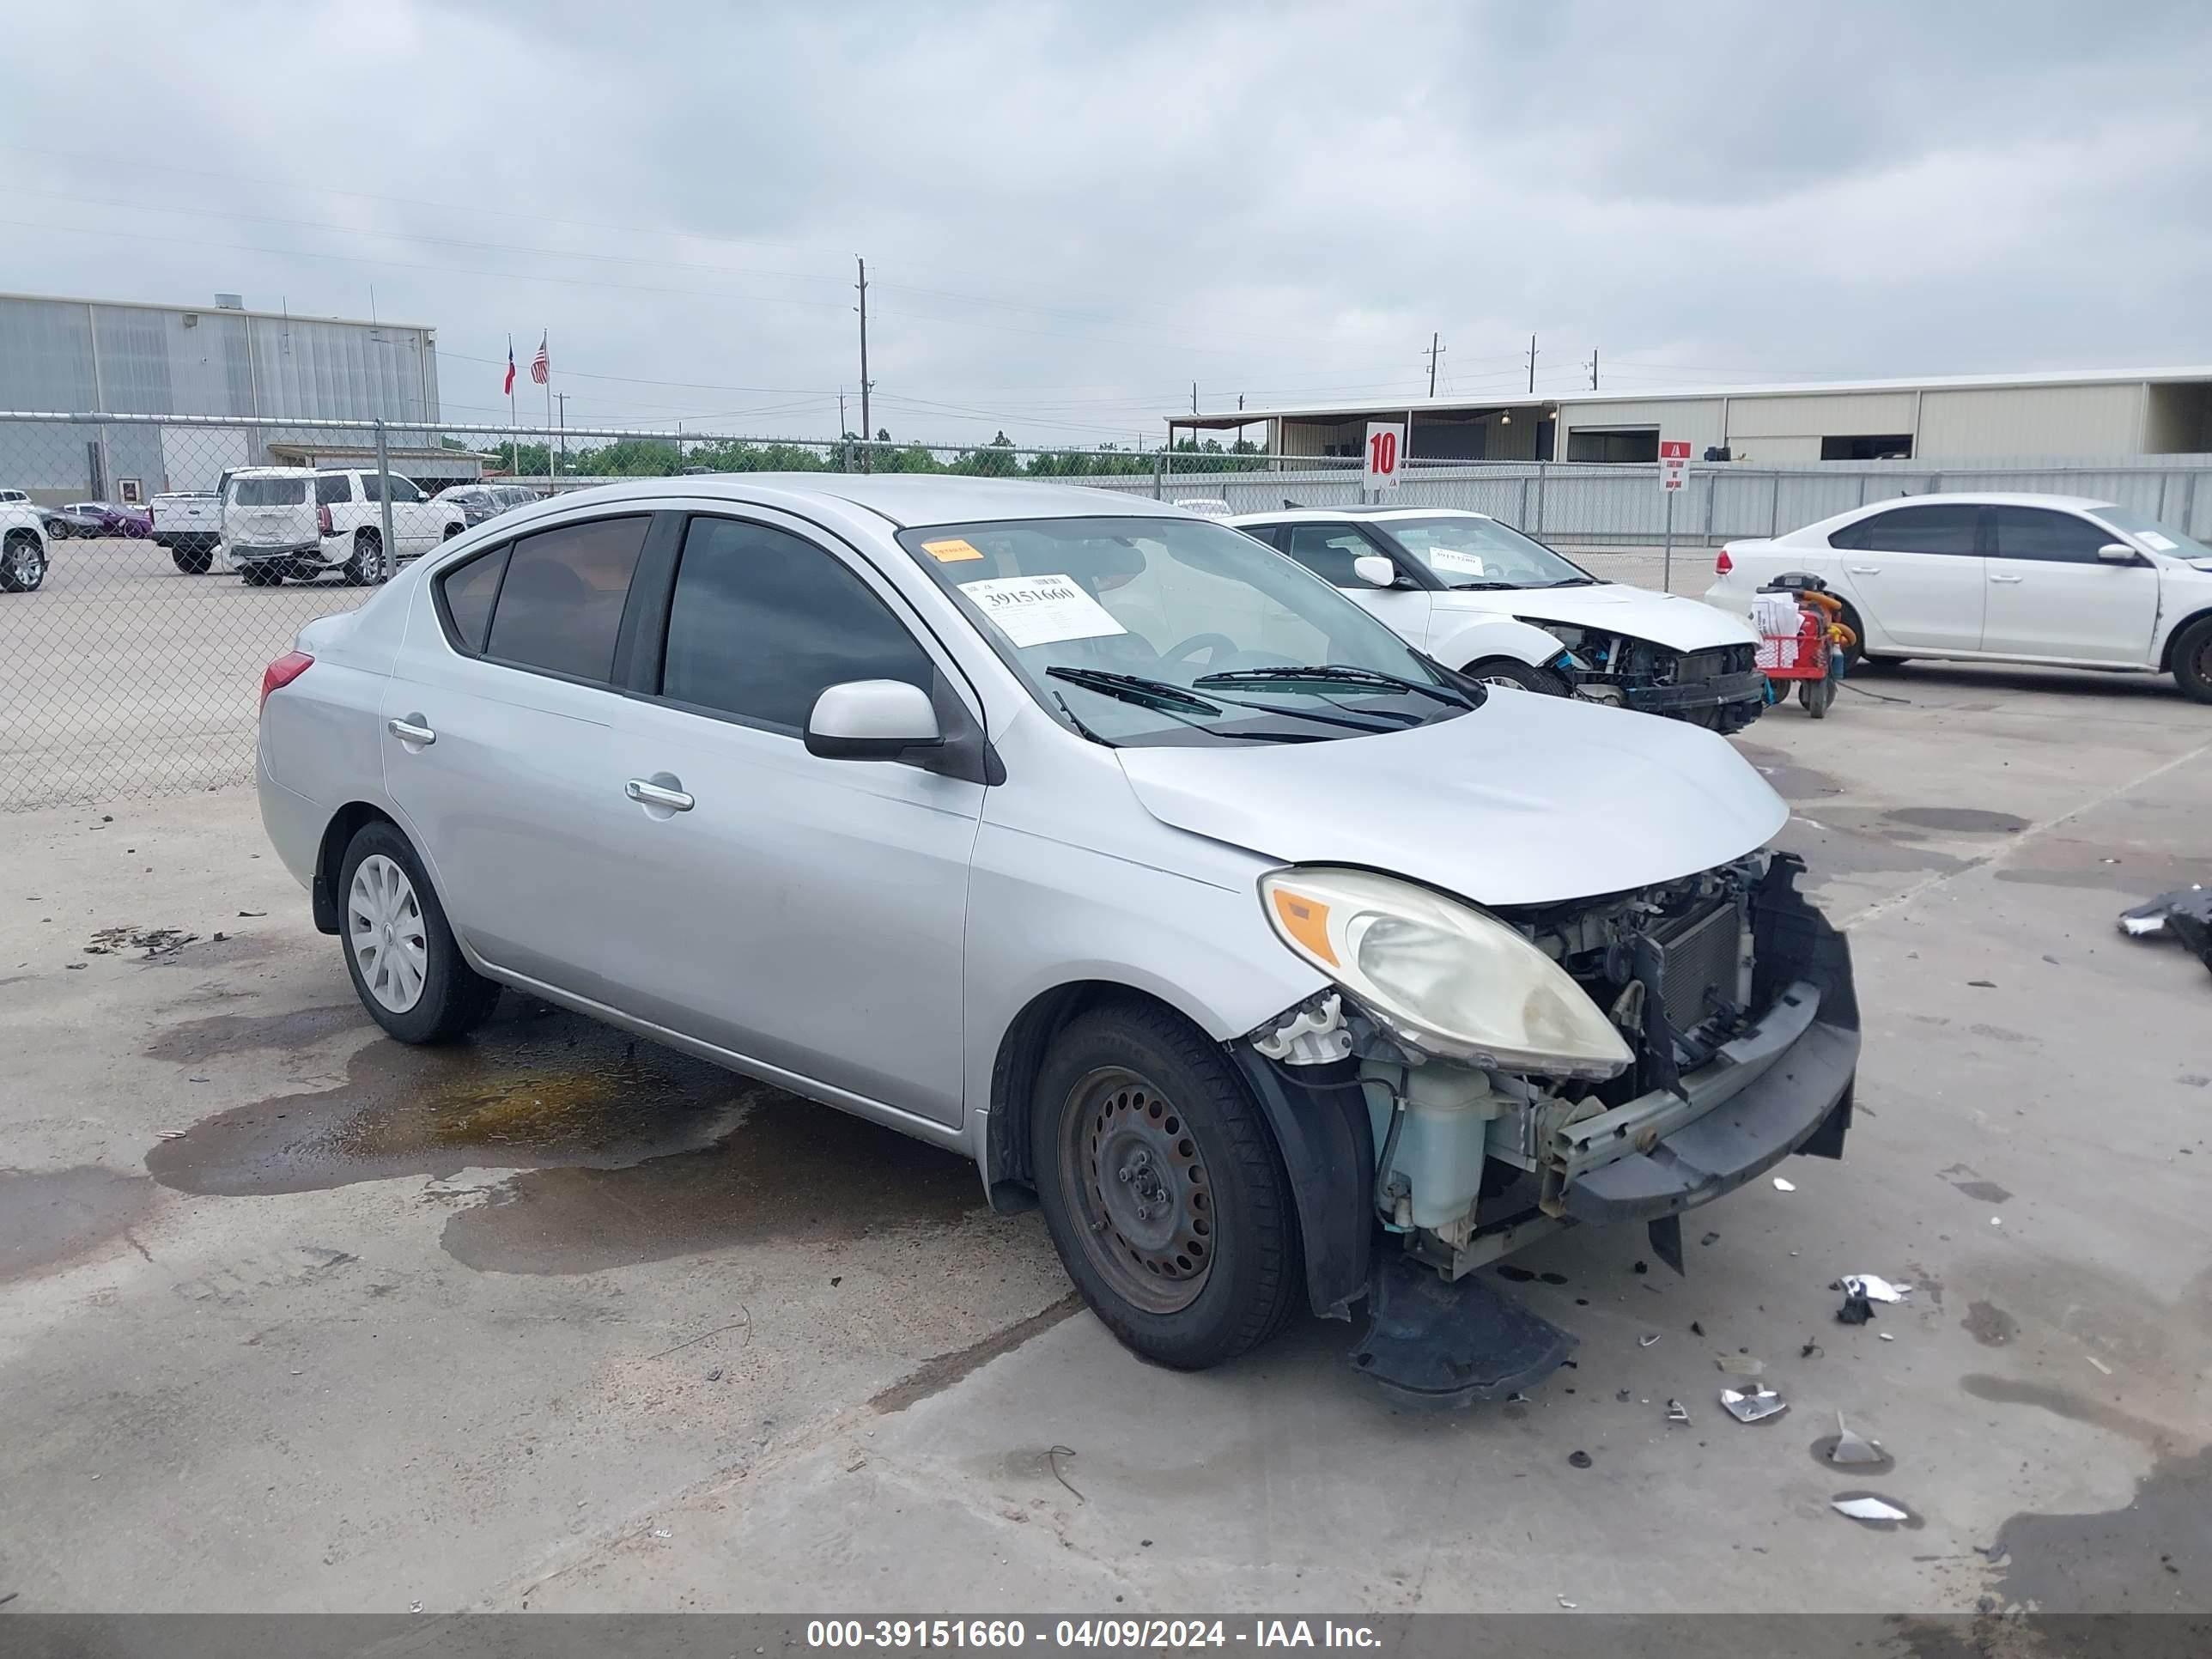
{"points": [[2037, 579], [1476, 594]]}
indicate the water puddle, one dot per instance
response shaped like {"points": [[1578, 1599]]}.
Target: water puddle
{"points": [[628, 1151]]}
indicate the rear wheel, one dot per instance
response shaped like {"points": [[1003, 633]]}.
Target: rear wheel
{"points": [[1517, 676], [22, 564], [2192, 661], [1163, 1188], [399, 950], [366, 564]]}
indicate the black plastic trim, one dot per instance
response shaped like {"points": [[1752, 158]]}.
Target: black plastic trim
{"points": [[1319, 1116]]}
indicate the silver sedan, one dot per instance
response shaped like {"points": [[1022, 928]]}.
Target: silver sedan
{"points": [[1094, 840]]}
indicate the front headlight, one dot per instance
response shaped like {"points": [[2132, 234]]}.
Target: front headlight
{"points": [[1441, 977]]}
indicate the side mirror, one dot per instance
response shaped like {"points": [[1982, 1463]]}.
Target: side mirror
{"points": [[871, 719], [2117, 553], [1375, 570]]}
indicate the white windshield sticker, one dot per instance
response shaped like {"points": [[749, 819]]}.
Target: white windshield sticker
{"points": [[1041, 610], [2155, 542], [1449, 558]]}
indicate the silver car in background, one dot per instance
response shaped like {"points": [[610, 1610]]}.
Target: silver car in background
{"points": [[1099, 843]]}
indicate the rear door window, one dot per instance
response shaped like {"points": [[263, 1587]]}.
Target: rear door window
{"points": [[561, 605], [1952, 528], [331, 490], [2037, 532]]}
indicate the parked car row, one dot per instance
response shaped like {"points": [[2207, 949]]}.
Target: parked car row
{"points": [[97, 518], [480, 501], [301, 523], [1278, 961]]}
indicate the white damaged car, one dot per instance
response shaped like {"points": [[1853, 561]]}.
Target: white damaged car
{"points": [[1445, 579]]}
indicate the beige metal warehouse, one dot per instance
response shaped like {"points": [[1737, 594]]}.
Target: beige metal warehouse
{"points": [[2072, 415]]}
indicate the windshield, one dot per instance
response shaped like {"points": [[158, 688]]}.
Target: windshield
{"points": [[1153, 630], [269, 492], [2152, 534], [1476, 552]]}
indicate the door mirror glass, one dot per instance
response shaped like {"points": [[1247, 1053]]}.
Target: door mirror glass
{"points": [[871, 719], [1375, 570], [2116, 553]]}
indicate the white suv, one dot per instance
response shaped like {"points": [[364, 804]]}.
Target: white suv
{"points": [[297, 521]]}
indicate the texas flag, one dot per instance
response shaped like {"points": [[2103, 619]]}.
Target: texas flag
{"points": [[508, 389]]}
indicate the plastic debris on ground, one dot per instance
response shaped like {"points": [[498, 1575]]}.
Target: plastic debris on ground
{"points": [[1851, 1447], [1739, 1364], [2098, 1362], [1781, 1185], [1855, 1310], [1754, 1406], [1580, 1460], [1872, 1286], [1886, 1337], [2185, 913], [1677, 1411], [1869, 1509], [1646, 1341]]}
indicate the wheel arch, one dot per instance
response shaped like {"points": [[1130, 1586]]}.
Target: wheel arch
{"points": [[1481, 637], [338, 835]]}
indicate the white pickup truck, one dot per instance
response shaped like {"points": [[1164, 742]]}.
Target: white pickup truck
{"points": [[189, 523]]}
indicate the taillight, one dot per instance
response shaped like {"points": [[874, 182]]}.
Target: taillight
{"points": [[286, 669], [323, 520], [1723, 564]]}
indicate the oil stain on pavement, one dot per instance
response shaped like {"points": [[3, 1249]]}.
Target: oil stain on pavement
{"points": [[2154, 1555], [628, 1151], [51, 1217]]}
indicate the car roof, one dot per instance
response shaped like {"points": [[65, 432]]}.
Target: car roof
{"points": [[904, 498], [1305, 515], [1992, 498]]}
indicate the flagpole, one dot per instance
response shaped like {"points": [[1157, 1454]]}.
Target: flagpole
{"points": [[544, 340], [513, 421]]}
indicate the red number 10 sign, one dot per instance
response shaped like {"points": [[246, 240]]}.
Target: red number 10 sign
{"points": [[1385, 444]]}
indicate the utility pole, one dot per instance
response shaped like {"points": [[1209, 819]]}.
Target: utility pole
{"points": [[867, 424], [1593, 368], [1532, 365], [1193, 396], [1435, 350], [562, 398]]}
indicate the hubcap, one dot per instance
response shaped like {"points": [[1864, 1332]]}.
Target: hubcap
{"points": [[386, 932], [1144, 1201], [1501, 679]]}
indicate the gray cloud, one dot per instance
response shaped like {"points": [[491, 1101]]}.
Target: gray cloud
{"points": [[1072, 213]]}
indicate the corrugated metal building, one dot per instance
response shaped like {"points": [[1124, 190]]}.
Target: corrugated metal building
{"points": [[119, 356], [2087, 415]]}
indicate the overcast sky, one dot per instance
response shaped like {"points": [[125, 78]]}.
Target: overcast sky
{"points": [[1072, 213]]}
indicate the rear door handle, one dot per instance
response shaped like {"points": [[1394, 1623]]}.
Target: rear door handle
{"points": [[2007, 579], [1864, 569], [652, 794], [412, 729]]}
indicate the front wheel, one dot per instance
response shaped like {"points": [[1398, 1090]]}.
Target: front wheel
{"points": [[400, 951], [22, 565], [2192, 662], [1163, 1188], [1517, 676], [60, 530]]}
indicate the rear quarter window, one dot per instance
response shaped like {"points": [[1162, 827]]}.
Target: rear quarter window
{"points": [[466, 592]]}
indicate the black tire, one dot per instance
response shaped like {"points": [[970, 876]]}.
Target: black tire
{"points": [[367, 565], [453, 999], [60, 530], [22, 564], [1816, 695], [451, 531], [262, 575], [2192, 661], [1507, 671], [1131, 1077], [193, 561]]}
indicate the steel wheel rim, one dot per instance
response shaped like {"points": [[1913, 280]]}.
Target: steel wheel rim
{"points": [[386, 931], [1143, 1199]]}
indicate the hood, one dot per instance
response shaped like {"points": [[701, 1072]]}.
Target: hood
{"points": [[1527, 800], [1665, 619]]}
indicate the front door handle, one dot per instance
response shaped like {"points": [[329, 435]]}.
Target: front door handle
{"points": [[2007, 579], [412, 729], [652, 794], [1864, 569]]}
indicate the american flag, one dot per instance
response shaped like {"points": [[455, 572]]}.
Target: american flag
{"points": [[541, 365]]}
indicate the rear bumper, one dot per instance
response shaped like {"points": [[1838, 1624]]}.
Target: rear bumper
{"points": [[259, 554]]}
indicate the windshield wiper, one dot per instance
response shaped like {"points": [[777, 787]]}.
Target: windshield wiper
{"points": [[1334, 673], [1160, 695], [1482, 587], [1571, 581]]}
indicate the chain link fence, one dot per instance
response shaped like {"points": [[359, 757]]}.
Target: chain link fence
{"points": [[152, 566]]}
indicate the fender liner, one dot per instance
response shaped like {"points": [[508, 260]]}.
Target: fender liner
{"points": [[1321, 1124]]}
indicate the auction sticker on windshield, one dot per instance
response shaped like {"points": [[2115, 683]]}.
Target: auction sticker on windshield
{"points": [[951, 551], [1041, 610], [1449, 558]]}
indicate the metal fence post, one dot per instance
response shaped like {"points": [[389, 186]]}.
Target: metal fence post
{"points": [[1521, 518], [1159, 493], [1774, 509], [1712, 498], [387, 557], [1538, 532], [1865, 479]]}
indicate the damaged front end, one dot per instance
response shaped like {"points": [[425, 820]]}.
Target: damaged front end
{"points": [[1733, 999], [1719, 687]]}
